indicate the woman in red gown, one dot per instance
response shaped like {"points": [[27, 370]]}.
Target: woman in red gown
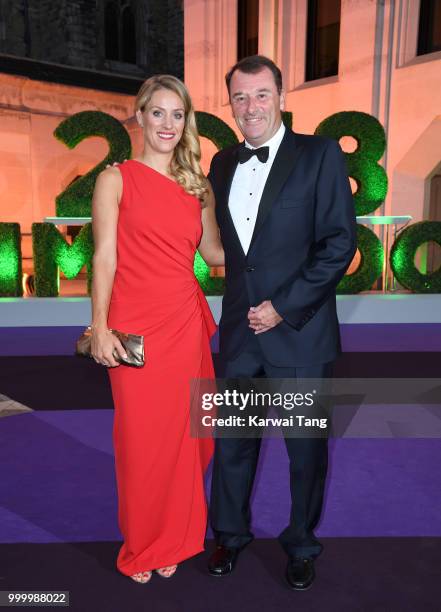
{"points": [[150, 214]]}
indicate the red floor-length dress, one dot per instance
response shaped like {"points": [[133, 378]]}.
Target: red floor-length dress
{"points": [[159, 467]]}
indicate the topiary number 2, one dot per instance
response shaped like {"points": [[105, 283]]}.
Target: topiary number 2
{"points": [[76, 200]]}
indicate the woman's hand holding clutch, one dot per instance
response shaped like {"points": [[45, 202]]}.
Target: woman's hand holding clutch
{"points": [[104, 346]]}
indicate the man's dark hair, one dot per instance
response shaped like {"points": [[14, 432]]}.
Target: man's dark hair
{"points": [[254, 64]]}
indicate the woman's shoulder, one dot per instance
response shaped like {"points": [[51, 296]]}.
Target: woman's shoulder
{"points": [[109, 181], [110, 175]]}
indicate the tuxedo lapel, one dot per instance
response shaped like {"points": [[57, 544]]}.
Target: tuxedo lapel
{"points": [[282, 167], [229, 168]]}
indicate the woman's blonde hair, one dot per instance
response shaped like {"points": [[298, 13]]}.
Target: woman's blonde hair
{"points": [[185, 166]]}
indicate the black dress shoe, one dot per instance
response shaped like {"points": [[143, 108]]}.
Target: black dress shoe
{"points": [[300, 573], [222, 561]]}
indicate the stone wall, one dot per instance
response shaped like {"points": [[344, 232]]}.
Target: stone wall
{"points": [[71, 32]]}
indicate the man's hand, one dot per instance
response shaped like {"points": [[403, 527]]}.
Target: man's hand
{"points": [[114, 165], [263, 317]]}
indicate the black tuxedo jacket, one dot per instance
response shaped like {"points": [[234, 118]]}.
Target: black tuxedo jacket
{"points": [[303, 242]]}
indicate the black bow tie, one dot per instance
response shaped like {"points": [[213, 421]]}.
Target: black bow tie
{"points": [[246, 153]]}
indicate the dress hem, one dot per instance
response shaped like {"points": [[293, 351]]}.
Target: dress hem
{"points": [[166, 563]]}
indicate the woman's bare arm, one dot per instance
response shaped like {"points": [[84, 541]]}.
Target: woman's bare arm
{"points": [[210, 246], [106, 197]]}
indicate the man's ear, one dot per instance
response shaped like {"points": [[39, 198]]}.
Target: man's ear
{"points": [[139, 118], [282, 100]]}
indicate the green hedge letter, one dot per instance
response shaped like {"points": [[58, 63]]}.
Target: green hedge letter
{"points": [[75, 201], [51, 251], [402, 257], [371, 263], [10, 260], [362, 164]]}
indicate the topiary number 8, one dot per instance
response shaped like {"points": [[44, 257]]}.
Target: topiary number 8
{"points": [[362, 164]]}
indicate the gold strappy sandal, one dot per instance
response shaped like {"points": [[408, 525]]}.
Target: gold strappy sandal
{"points": [[142, 577], [167, 572]]}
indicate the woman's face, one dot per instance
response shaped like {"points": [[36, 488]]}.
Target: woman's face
{"points": [[163, 121]]}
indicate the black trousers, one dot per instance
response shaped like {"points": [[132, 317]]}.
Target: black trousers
{"points": [[235, 463]]}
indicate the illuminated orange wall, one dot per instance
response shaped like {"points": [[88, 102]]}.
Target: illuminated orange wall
{"points": [[403, 91], [379, 74], [34, 165]]}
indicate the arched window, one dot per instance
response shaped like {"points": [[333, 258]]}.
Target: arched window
{"points": [[120, 32], [323, 38], [429, 35], [111, 31], [247, 28], [128, 36]]}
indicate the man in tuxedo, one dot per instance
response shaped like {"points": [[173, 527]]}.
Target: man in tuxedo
{"points": [[286, 216]]}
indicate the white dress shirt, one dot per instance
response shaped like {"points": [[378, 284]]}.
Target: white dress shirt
{"points": [[247, 188]]}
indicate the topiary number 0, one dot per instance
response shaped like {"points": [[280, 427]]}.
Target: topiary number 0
{"points": [[402, 257]]}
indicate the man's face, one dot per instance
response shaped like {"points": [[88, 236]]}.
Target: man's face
{"points": [[256, 105]]}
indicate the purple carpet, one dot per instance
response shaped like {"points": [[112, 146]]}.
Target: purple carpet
{"points": [[353, 575], [381, 525], [57, 483], [419, 337]]}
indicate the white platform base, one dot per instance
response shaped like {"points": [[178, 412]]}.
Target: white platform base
{"points": [[355, 309]]}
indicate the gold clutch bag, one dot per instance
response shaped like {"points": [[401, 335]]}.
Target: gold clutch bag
{"points": [[133, 346]]}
